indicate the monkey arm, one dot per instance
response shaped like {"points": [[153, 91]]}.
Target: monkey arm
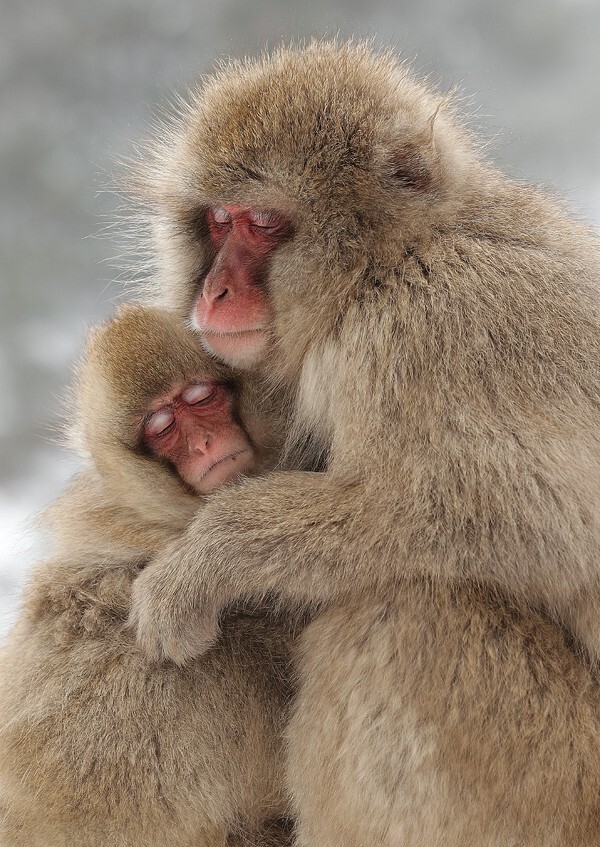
{"points": [[311, 538], [305, 537]]}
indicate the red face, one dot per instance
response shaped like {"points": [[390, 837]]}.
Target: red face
{"points": [[192, 426], [232, 311]]}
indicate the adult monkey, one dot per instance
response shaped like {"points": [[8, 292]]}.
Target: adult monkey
{"points": [[98, 748], [438, 328]]}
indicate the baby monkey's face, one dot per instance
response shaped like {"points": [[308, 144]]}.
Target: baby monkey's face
{"points": [[192, 426]]}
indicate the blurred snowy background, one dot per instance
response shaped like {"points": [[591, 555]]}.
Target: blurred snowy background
{"points": [[79, 82]]}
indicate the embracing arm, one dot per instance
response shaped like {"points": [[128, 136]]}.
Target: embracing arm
{"points": [[311, 538], [308, 538]]}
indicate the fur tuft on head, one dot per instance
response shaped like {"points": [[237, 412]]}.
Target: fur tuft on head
{"points": [[129, 361], [358, 153]]}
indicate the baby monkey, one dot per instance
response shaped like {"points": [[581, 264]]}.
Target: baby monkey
{"points": [[192, 427], [97, 746]]}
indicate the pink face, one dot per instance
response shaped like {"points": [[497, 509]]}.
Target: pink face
{"points": [[193, 427], [232, 311]]}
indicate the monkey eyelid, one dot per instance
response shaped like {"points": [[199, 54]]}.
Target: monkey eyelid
{"points": [[198, 392], [264, 220], [158, 423], [220, 215]]}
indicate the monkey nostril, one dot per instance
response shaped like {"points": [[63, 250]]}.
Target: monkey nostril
{"points": [[223, 294]]}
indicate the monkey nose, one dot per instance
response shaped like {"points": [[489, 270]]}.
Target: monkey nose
{"points": [[197, 443], [214, 292]]}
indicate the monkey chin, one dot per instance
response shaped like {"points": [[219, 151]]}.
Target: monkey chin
{"points": [[239, 349]]}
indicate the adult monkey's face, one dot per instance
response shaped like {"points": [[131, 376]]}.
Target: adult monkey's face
{"points": [[232, 311], [290, 189]]}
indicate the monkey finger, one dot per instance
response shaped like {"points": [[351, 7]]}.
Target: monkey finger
{"points": [[146, 636], [191, 641], [162, 634]]}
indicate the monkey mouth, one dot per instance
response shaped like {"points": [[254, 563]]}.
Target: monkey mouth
{"points": [[230, 457], [213, 478], [240, 348], [238, 333]]}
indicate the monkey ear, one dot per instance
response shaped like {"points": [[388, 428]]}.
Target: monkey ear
{"points": [[410, 167], [426, 151]]}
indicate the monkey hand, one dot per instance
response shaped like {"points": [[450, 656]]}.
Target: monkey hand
{"points": [[270, 545], [173, 619]]}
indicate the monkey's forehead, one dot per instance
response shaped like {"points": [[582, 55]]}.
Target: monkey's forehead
{"points": [[139, 354], [303, 112]]}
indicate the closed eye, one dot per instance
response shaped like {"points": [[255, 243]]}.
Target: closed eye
{"points": [[267, 223], [159, 423], [198, 393]]}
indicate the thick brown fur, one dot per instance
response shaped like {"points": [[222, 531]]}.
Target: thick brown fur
{"points": [[99, 747], [438, 326]]}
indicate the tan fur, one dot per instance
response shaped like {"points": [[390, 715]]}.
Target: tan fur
{"points": [[99, 747], [440, 328]]}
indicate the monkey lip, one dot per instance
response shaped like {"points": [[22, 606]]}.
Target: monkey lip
{"points": [[212, 333], [222, 475], [240, 348], [229, 457]]}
